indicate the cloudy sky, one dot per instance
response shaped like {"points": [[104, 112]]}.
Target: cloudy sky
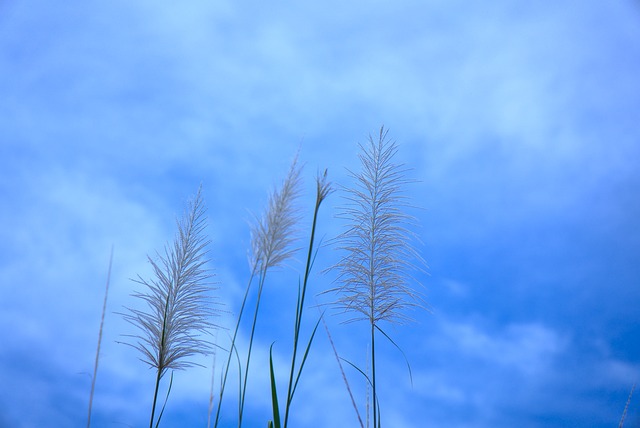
{"points": [[518, 121]]}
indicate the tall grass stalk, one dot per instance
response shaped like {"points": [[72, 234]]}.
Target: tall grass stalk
{"points": [[213, 378], [178, 308], [95, 367], [626, 407], [374, 279], [272, 238], [323, 189], [232, 348]]}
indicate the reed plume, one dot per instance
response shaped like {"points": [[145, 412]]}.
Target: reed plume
{"points": [[374, 275], [273, 234], [178, 307]]}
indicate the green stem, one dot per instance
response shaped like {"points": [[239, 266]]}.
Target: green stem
{"points": [[233, 342], [155, 397], [296, 333], [373, 377], [161, 356], [263, 275]]}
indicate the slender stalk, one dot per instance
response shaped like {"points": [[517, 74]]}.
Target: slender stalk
{"points": [[213, 378], [374, 399], [344, 376], [95, 367], [372, 272], [161, 365], [298, 322], [322, 191], [155, 397], [233, 341], [243, 390], [626, 407]]}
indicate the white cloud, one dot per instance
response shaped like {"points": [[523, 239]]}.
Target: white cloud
{"points": [[113, 112], [526, 348]]}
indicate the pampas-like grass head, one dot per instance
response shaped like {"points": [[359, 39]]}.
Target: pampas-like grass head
{"points": [[272, 235], [374, 274], [178, 308]]}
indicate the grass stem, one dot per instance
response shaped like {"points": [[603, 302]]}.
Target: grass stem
{"points": [[323, 189], [95, 367]]}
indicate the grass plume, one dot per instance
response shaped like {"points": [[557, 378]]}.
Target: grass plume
{"points": [[272, 238], [273, 234], [374, 275], [178, 309]]}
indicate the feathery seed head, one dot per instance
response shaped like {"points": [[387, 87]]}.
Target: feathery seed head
{"points": [[272, 234], [178, 306], [323, 188], [374, 274]]}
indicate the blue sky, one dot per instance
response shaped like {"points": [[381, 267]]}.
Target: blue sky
{"points": [[519, 121]]}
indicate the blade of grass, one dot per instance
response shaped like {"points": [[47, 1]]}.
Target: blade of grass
{"points": [[399, 349], [304, 359], [274, 393]]}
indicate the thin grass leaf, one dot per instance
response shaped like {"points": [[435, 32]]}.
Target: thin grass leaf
{"points": [[304, 358], [344, 376], [399, 349], [274, 392], [375, 396]]}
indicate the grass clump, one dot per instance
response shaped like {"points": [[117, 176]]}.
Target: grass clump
{"points": [[374, 284]]}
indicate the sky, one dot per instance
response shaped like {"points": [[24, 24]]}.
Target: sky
{"points": [[518, 123]]}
